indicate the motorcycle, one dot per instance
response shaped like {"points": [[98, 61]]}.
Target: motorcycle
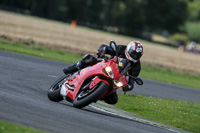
{"points": [[93, 83]]}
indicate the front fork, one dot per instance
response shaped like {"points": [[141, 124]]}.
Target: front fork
{"points": [[63, 90], [95, 81]]}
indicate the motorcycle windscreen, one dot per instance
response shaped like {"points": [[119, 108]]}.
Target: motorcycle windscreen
{"points": [[123, 65]]}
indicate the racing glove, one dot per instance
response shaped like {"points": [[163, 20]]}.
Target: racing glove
{"points": [[104, 49], [101, 51]]}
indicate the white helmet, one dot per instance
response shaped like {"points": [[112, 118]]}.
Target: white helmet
{"points": [[134, 51]]}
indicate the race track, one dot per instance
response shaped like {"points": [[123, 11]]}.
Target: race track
{"points": [[23, 99]]}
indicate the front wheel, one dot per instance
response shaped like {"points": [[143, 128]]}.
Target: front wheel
{"points": [[84, 98]]}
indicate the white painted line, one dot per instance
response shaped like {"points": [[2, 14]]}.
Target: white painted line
{"points": [[53, 76]]}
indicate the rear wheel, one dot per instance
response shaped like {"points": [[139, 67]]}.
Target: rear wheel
{"points": [[85, 97], [54, 91]]}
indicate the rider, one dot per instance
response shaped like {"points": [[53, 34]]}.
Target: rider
{"points": [[133, 52]]}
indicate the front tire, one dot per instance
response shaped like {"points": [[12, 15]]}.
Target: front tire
{"points": [[54, 91], [80, 102]]}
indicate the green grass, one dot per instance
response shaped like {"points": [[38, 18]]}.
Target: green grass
{"points": [[171, 77], [181, 114], [39, 51], [6, 127]]}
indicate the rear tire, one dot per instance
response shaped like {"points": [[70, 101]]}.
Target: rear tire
{"points": [[54, 91], [92, 97]]}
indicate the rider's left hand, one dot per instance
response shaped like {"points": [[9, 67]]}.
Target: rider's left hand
{"points": [[101, 51]]}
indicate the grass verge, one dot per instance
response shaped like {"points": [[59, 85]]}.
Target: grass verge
{"points": [[6, 127], [169, 76], [38, 51], [181, 114]]}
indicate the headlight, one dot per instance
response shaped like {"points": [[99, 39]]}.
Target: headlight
{"points": [[108, 71], [118, 84]]}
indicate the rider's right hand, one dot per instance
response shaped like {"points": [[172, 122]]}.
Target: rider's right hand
{"points": [[130, 85], [128, 88]]}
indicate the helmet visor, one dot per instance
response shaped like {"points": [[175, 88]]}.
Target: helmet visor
{"points": [[134, 54]]}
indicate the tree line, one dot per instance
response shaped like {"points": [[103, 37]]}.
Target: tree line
{"points": [[132, 17]]}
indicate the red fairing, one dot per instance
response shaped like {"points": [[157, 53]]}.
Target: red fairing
{"points": [[96, 81], [95, 70]]}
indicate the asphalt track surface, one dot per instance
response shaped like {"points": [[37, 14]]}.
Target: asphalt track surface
{"points": [[24, 81]]}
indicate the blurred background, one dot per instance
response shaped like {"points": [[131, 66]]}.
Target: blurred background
{"points": [[169, 30], [172, 23]]}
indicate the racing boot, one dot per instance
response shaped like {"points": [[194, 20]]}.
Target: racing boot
{"points": [[74, 68]]}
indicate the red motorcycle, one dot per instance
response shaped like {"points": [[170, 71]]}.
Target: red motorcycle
{"points": [[92, 83]]}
